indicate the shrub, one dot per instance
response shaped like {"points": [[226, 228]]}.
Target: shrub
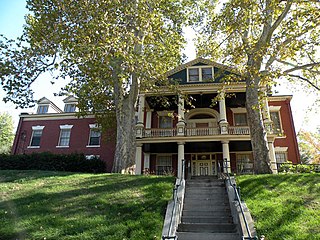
{"points": [[298, 168], [52, 162]]}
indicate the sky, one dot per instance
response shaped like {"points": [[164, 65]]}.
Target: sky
{"points": [[12, 14]]}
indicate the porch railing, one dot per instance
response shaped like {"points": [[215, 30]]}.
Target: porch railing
{"points": [[201, 131], [239, 130], [172, 132]]}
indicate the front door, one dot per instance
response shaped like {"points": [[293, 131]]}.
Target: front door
{"points": [[205, 165]]}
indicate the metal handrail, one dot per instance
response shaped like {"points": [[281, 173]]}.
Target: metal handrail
{"points": [[175, 202], [237, 198]]}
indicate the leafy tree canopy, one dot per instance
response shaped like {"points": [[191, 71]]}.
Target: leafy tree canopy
{"points": [[265, 40], [6, 132]]}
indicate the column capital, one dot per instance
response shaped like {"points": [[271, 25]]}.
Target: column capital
{"points": [[225, 142], [181, 143], [139, 144]]}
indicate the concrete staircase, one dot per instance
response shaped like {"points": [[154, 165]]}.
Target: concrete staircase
{"points": [[206, 212]]}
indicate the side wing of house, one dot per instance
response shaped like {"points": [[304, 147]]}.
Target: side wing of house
{"points": [[63, 133]]}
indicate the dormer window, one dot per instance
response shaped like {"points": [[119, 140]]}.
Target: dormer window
{"points": [[70, 108], [43, 109], [200, 74]]}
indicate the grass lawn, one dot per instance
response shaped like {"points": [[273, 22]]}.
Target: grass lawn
{"points": [[57, 205], [283, 206]]}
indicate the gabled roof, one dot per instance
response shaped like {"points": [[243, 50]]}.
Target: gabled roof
{"points": [[70, 99], [46, 101], [200, 60]]}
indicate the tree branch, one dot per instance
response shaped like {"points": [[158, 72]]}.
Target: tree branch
{"points": [[305, 66], [306, 80]]}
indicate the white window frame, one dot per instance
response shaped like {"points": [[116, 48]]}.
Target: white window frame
{"points": [[280, 120], [96, 128], [157, 165], [200, 73], [35, 128], [68, 107], [64, 127], [41, 107], [239, 111], [281, 150]]}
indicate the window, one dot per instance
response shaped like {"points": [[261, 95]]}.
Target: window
{"points": [[206, 74], [65, 132], [165, 122], [200, 74], [70, 108], [194, 75], [240, 119], [281, 157], [43, 109], [244, 163], [36, 136], [164, 165], [276, 124], [94, 138]]}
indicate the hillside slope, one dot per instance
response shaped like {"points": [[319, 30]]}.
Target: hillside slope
{"points": [[57, 205], [283, 206]]}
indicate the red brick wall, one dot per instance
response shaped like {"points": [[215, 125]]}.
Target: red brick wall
{"points": [[50, 136], [289, 140]]}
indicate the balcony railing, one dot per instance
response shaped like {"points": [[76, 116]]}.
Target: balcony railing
{"points": [[239, 130], [160, 132], [202, 131], [172, 132]]}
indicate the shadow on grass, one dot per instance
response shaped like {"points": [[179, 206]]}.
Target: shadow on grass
{"points": [[89, 207], [27, 175], [284, 206]]}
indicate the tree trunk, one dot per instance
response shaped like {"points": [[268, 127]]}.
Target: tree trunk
{"points": [[257, 131], [125, 145]]}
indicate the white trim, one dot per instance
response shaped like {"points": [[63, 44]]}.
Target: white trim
{"points": [[197, 111], [200, 72], [66, 126], [95, 125], [93, 146], [239, 110], [33, 147], [274, 108], [38, 127], [280, 149], [62, 146]]}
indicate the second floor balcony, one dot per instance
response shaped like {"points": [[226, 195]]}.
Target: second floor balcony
{"points": [[192, 132]]}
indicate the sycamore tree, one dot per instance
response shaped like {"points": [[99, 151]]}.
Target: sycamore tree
{"points": [[265, 40], [309, 146], [6, 133], [109, 49]]}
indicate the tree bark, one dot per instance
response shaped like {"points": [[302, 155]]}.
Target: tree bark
{"points": [[262, 163]]}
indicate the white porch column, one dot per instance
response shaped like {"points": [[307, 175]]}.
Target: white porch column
{"points": [[181, 122], [272, 156], [226, 154], [266, 115], [140, 123], [180, 157], [138, 158], [141, 108], [223, 113]]}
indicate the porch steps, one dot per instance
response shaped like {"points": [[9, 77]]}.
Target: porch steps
{"points": [[206, 211]]}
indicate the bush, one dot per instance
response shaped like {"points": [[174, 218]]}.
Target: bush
{"points": [[298, 168], [52, 162]]}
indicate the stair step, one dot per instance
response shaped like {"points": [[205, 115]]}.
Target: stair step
{"points": [[206, 219], [207, 236], [207, 227], [203, 213], [208, 201], [207, 207]]}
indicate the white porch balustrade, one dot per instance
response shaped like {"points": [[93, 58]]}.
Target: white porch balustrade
{"points": [[239, 130], [172, 132], [201, 131]]}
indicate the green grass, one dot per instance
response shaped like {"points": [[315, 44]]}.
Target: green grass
{"points": [[283, 206], [57, 205]]}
